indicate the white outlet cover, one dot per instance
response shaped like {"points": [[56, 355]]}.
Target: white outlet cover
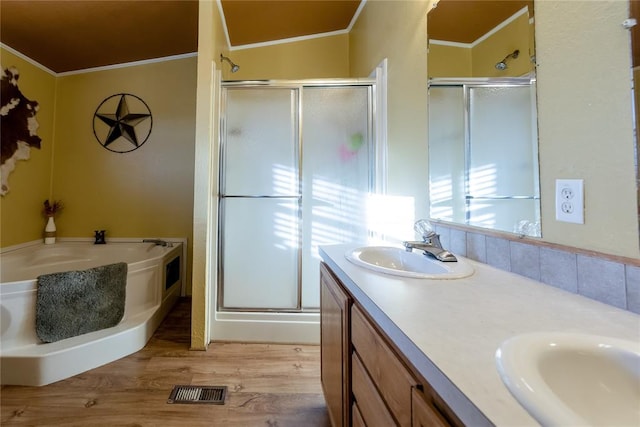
{"points": [[570, 200]]}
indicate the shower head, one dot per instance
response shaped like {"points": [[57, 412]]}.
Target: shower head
{"points": [[234, 67], [502, 65]]}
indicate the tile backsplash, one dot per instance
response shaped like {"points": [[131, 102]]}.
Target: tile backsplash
{"points": [[611, 282]]}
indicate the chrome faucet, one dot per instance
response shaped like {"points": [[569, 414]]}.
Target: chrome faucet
{"points": [[430, 243], [158, 242]]}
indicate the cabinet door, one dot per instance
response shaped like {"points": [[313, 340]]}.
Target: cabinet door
{"points": [[423, 414], [334, 347]]}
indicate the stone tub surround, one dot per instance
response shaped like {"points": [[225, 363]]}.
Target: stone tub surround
{"points": [[605, 278], [449, 330]]}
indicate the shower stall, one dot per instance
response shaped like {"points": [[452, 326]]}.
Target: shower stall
{"points": [[296, 168], [483, 153]]}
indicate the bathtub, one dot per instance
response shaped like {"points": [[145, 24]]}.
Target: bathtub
{"points": [[154, 281]]}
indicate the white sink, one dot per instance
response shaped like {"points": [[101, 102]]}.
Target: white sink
{"points": [[399, 262], [565, 379]]}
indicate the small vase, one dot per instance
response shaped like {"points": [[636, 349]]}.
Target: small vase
{"points": [[50, 232]]}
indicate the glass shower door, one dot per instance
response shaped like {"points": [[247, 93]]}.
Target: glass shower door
{"points": [[295, 174], [260, 200], [336, 174]]}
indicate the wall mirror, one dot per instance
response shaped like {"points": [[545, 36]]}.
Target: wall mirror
{"points": [[483, 144], [634, 12]]}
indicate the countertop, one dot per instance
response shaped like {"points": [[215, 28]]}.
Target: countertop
{"points": [[450, 329]]}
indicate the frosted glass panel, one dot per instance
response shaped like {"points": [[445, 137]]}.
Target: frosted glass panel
{"points": [[446, 153], [501, 160], [336, 158], [260, 144], [260, 265]]}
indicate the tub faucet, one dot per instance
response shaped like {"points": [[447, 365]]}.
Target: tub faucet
{"points": [[430, 243], [158, 242], [99, 237]]}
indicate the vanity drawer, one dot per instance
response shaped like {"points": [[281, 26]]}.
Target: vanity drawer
{"points": [[371, 408], [392, 380], [425, 414]]}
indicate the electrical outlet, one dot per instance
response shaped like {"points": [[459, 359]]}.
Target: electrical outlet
{"points": [[570, 200]]}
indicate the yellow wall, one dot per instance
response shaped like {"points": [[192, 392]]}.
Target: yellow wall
{"points": [[143, 193], [375, 36], [323, 57], [449, 61], [21, 217]]}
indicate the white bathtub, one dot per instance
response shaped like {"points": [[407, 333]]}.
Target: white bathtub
{"points": [[154, 281]]}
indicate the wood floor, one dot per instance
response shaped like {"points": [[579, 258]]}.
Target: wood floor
{"points": [[269, 385]]}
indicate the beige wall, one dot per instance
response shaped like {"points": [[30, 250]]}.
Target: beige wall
{"points": [[378, 35], [211, 43], [585, 122], [323, 57], [21, 218]]}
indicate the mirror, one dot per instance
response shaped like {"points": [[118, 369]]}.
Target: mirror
{"points": [[634, 12], [483, 145]]}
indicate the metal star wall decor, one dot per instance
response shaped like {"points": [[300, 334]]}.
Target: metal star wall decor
{"points": [[117, 128]]}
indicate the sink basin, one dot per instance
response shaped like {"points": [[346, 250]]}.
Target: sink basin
{"points": [[565, 379], [399, 262]]}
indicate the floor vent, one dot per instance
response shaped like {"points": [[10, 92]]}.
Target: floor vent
{"points": [[213, 395]]}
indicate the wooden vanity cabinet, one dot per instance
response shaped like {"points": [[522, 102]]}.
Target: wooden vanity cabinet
{"points": [[378, 387], [334, 347]]}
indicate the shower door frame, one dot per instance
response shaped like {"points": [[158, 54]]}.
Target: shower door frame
{"points": [[298, 85]]}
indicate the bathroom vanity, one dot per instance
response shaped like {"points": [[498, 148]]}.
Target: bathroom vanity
{"points": [[421, 352], [359, 361]]}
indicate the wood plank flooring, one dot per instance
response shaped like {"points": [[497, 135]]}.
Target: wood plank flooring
{"points": [[269, 385]]}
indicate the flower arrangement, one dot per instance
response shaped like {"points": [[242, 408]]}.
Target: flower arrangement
{"points": [[51, 208]]}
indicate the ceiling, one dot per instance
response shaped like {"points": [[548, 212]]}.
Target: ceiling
{"points": [[261, 21], [66, 35], [465, 21], [69, 35]]}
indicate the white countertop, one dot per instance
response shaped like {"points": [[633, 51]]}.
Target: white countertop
{"points": [[450, 329]]}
